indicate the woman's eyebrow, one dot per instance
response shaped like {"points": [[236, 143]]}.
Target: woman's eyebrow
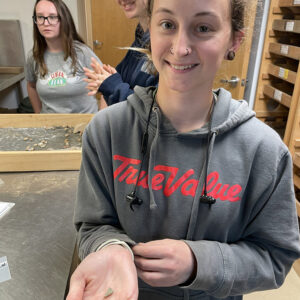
{"points": [[206, 13], [163, 10], [50, 14], [202, 13]]}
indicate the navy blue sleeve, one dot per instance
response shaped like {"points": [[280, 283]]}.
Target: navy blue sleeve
{"points": [[114, 89]]}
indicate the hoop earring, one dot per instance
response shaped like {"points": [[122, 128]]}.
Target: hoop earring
{"points": [[171, 50], [230, 55]]}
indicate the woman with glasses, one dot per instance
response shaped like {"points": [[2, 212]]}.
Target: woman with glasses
{"points": [[54, 68]]}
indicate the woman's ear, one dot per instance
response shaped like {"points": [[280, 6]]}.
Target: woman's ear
{"points": [[238, 37], [237, 40]]}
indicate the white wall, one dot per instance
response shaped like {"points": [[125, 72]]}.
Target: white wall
{"points": [[23, 10]]}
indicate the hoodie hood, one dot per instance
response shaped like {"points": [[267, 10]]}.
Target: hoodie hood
{"points": [[227, 114]]}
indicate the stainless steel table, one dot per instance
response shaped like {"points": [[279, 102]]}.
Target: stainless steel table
{"points": [[37, 235]]}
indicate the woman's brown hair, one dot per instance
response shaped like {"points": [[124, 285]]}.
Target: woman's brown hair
{"points": [[68, 35]]}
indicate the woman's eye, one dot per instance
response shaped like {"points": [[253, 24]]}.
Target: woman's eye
{"points": [[203, 28], [167, 25], [53, 18]]}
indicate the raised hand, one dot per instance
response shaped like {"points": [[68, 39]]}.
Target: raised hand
{"points": [[96, 76]]}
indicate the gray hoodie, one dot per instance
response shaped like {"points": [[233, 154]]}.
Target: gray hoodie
{"points": [[246, 241]]}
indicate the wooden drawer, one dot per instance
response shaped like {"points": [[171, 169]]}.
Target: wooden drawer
{"points": [[288, 3], [277, 95], [287, 25], [285, 50], [282, 73]]}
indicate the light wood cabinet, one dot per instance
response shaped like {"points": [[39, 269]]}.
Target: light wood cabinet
{"points": [[278, 94]]}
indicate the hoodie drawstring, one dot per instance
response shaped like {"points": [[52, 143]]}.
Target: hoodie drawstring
{"points": [[132, 198], [152, 158]]}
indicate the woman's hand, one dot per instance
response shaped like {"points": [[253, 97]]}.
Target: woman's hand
{"points": [[110, 269], [164, 262], [109, 69], [96, 76]]}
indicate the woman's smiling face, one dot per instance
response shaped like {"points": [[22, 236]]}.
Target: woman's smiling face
{"points": [[133, 8], [189, 40]]}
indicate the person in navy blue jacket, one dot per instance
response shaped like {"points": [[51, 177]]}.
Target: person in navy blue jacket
{"points": [[117, 84]]}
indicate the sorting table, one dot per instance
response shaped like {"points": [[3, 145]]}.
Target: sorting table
{"points": [[37, 235]]}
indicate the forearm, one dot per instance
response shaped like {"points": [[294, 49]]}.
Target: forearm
{"points": [[262, 254], [34, 98], [233, 269]]}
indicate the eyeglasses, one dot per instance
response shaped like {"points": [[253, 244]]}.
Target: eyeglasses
{"points": [[40, 20]]}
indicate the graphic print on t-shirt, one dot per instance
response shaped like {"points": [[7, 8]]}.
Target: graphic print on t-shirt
{"points": [[58, 78]]}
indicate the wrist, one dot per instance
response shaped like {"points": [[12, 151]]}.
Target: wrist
{"points": [[115, 242]]}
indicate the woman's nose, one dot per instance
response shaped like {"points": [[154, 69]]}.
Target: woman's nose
{"points": [[181, 45]]}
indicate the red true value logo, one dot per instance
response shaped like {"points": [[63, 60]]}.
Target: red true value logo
{"points": [[165, 180]]}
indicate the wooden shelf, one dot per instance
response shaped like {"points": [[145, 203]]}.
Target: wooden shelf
{"points": [[285, 50], [277, 95], [282, 73], [11, 70], [271, 114], [279, 78]]}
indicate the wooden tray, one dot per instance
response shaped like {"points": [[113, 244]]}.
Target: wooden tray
{"points": [[19, 161]]}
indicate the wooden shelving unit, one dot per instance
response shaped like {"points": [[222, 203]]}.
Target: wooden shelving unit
{"points": [[278, 94]]}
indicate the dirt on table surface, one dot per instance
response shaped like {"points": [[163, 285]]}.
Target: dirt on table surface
{"points": [[40, 139]]}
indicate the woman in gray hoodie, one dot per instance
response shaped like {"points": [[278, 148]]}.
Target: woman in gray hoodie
{"points": [[183, 193]]}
